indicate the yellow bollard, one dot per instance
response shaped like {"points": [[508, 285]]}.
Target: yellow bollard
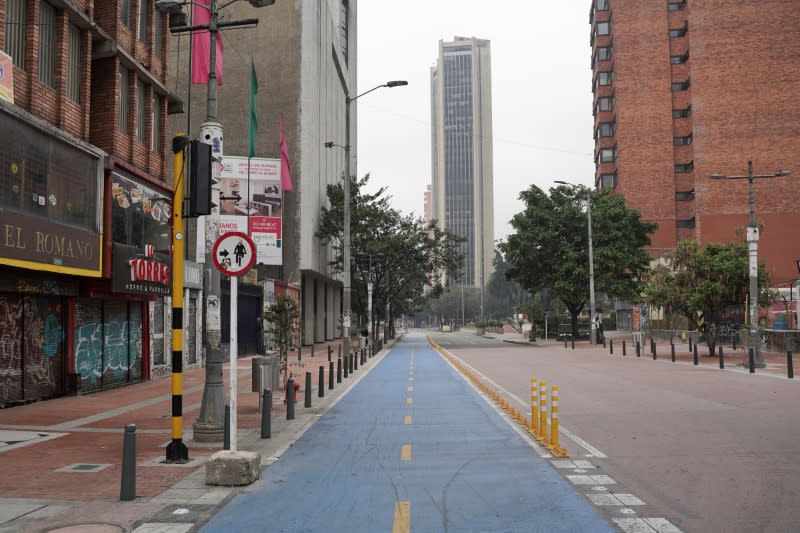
{"points": [[535, 406], [554, 446], [543, 412]]}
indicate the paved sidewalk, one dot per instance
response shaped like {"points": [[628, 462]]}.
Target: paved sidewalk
{"points": [[62, 458]]}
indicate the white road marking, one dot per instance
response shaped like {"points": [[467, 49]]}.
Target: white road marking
{"points": [[646, 525]]}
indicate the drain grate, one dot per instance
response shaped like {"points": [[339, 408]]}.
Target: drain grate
{"points": [[83, 467]]}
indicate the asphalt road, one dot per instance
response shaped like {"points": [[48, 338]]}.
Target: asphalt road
{"points": [[711, 450]]}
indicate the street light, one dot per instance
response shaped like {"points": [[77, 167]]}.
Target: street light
{"points": [[346, 208], [209, 425], [752, 246], [592, 318]]}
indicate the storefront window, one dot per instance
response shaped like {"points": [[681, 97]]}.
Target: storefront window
{"points": [[140, 215]]}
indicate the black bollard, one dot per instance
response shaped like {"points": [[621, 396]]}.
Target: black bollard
{"points": [[340, 350], [352, 362], [789, 365], [346, 366], [611, 346], [312, 350], [307, 402], [330, 351], [266, 414], [721, 360], [330, 375], [573, 343], [638, 349], [321, 385], [565, 342], [690, 342], [290, 399], [694, 351], [624, 352], [226, 436], [655, 355], [127, 490], [355, 360], [672, 349], [338, 370], [752, 361], [604, 341], [652, 346]]}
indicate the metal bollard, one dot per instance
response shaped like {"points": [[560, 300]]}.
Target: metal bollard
{"points": [[653, 348], [338, 370], [721, 360], [290, 399], [330, 375], [624, 352], [330, 352], [127, 490], [638, 349], [694, 352], [789, 365], [543, 412], [752, 361], [321, 385], [226, 437], [652, 345], [356, 355], [565, 342], [690, 342], [340, 350], [346, 366], [611, 346], [266, 414], [312, 350], [604, 341], [672, 349], [352, 362], [534, 406], [307, 402], [299, 355], [573, 343]]}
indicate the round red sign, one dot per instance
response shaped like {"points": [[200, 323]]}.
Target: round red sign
{"points": [[234, 253]]}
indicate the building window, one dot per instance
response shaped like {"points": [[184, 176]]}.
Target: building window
{"points": [[683, 168], [681, 85], [125, 12], [603, 28], [47, 45], [15, 24], [607, 155], [685, 223], [604, 103], [143, 20], [74, 63], [141, 94], [684, 196], [678, 60], [122, 116], [680, 141], [158, 37], [608, 181], [601, 5], [682, 113], [603, 53], [680, 32], [344, 30], [606, 129], [604, 78], [672, 5], [155, 144]]}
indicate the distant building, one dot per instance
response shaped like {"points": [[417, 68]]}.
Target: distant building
{"points": [[685, 89], [85, 201], [461, 150]]}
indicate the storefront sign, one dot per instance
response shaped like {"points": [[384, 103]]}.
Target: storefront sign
{"points": [[36, 283], [25, 238], [140, 271]]}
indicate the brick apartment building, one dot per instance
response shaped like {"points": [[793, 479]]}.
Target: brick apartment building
{"points": [[684, 89], [83, 191]]}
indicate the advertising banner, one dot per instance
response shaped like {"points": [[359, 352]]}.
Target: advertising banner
{"points": [[251, 203], [6, 77]]}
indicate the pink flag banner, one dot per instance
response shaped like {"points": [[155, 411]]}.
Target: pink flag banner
{"points": [[201, 46], [286, 169]]}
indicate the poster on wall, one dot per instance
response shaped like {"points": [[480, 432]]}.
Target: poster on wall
{"points": [[251, 203], [7, 78]]}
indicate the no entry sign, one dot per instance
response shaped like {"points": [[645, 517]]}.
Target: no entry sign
{"points": [[234, 253]]}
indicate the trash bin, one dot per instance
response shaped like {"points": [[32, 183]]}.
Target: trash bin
{"points": [[258, 374], [266, 373]]}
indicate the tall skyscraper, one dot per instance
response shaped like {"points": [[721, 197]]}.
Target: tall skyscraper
{"points": [[685, 89], [461, 151]]}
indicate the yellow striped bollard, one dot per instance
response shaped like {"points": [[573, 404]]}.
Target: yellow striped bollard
{"points": [[554, 446], [543, 412], [535, 406]]}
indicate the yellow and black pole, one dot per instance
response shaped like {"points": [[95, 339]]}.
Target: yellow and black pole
{"points": [[177, 452]]}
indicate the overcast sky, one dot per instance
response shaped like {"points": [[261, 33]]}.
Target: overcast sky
{"points": [[541, 93]]}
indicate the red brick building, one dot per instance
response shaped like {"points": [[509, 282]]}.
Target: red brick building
{"points": [[684, 89], [84, 189]]}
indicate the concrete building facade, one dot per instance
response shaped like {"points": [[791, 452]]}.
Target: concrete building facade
{"points": [[461, 152], [685, 89], [305, 57]]}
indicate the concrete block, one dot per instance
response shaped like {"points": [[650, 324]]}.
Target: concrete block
{"points": [[229, 468]]}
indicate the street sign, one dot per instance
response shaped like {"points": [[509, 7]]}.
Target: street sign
{"points": [[234, 253]]}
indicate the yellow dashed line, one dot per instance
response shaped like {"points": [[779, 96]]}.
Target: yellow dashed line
{"points": [[405, 452], [407, 420], [402, 517], [409, 401], [410, 388]]}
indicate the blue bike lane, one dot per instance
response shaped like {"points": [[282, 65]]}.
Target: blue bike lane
{"points": [[412, 447]]}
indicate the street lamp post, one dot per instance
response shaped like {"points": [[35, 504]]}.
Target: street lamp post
{"points": [[592, 316], [209, 426], [752, 248], [346, 207]]}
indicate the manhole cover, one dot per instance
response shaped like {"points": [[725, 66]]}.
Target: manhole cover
{"points": [[86, 527]]}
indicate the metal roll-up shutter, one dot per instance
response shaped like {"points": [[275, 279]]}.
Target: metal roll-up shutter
{"points": [[88, 343]]}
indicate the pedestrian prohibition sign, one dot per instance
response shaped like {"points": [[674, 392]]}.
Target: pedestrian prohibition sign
{"points": [[234, 253]]}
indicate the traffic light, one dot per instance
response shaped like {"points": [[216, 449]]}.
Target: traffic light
{"points": [[199, 179]]}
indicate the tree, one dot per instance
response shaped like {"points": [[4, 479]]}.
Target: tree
{"points": [[283, 315], [702, 283], [550, 246], [400, 254]]}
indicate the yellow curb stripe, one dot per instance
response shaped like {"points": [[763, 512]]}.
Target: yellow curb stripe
{"points": [[405, 452], [402, 517], [407, 420], [411, 388], [409, 401]]}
